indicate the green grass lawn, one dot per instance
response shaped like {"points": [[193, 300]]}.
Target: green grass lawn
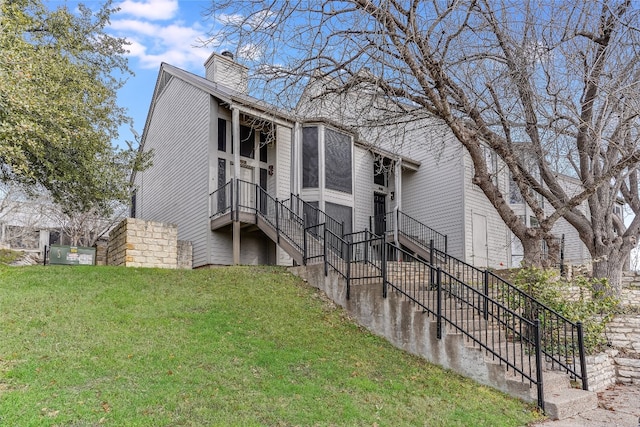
{"points": [[90, 346]]}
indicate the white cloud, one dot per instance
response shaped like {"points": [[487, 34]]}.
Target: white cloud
{"points": [[152, 43], [149, 9]]}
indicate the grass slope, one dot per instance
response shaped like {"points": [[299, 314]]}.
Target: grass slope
{"points": [[84, 346]]}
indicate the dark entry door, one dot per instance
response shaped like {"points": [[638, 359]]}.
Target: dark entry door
{"points": [[379, 213]]}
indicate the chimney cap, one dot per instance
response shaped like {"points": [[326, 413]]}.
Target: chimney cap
{"points": [[227, 53]]}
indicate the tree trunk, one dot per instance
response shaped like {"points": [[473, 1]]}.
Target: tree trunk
{"points": [[609, 267], [532, 251]]}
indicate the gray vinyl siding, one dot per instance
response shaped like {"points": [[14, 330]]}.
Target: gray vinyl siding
{"points": [[498, 234], [434, 194], [283, 177], [363, 176], [175, 188], [575, 250], [283, 162]]}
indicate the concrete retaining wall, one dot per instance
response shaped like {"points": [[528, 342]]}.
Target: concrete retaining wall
{"points": [[398, 320]]}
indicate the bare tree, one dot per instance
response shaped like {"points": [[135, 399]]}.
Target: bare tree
{"points": [[84, 228], [550, 86]]}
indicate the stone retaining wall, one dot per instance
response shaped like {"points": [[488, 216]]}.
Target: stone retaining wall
{"points": [[621, 363], [138, 243], [185, 254], [602, 370], [630, 289], [101, 247]]}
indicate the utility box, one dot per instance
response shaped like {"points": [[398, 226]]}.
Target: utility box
{"points": [[71, 255]]}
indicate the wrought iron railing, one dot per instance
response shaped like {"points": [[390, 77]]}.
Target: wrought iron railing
{"points": [[562, 339], [281, 218], [506, 335], [418, 232], [314, 244], [312, 215], [355, 256], [221, 200]]}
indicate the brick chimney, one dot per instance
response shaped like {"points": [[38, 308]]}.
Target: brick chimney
{"points": [[222, 69]]}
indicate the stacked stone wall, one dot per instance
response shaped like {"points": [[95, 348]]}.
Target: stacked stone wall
{"points": [[185, 254], [602, 370], [101, 247], [630, 289], [138, 243], [621, 363]]}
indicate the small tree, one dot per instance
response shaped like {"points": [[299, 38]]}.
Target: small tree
{"points": [[59, 76]]}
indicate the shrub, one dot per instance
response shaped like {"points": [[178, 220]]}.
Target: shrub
{"points": [[583, 300]]}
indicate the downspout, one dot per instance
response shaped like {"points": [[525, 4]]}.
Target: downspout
{"points": [[295, 159], [398, 190]]}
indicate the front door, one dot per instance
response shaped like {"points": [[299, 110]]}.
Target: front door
{"points": [[480, 245], [379, 213], [247, 195]]}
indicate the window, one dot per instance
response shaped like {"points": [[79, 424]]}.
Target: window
{"points": [[247, 142], [310, 157], [617, 210], [491, 160], [533, 222], [337, 161], [381, 169], [222, 135], [222, 180], [514, 193], [263, 147]]}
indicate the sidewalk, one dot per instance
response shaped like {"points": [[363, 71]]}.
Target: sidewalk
{"points": [[618, 406]]}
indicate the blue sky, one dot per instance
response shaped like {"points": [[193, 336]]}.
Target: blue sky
{"points": [[159, 31]]}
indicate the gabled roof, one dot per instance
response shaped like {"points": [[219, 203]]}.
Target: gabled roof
{"points": [[251, 105]]}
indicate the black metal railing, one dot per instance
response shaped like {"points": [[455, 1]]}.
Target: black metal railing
{"points": [[313, 244], [281, 218], [562, 339], [504, 334], [221, 200], [418, 232], [356, 256], [312, 215]]}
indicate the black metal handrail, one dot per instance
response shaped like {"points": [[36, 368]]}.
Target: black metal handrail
{"points": [[505, 334], [313, 215], [313, 244], [562, 339], [485, 308], [280, 217], [221, 200], [418, 232]]}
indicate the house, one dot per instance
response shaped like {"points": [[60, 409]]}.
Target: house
{"points": [[213, 143]]}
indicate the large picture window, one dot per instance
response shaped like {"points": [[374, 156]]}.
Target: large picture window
{"points": [[337, 161], [310, 157]]}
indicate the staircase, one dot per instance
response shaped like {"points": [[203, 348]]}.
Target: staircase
{"points": [[428, 302]]}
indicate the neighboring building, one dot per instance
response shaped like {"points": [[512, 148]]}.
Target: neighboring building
{"points": [[313, 152], [25, 225]]}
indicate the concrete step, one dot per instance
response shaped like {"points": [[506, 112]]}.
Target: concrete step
{"points": [[555, 382], [565, 403]]}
